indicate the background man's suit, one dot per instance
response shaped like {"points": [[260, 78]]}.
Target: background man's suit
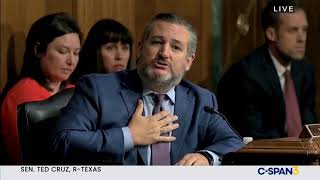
{"points": [[102, 104], [250, 95]]}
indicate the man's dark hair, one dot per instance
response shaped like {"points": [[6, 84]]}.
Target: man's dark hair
{"points": [[174, 19], [269, 18]]}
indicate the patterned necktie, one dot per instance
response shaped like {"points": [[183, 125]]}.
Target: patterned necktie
{"points": [[293, 117], [160, 152]]}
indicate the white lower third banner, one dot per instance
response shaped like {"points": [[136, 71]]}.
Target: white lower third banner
{"points": [[157, 172]]}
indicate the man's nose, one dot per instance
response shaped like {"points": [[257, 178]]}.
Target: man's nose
{"points": [[165, 51], [302, 36]]}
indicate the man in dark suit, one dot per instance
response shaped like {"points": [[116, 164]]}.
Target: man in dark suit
{"points": [[112, 116], [254, 93]]}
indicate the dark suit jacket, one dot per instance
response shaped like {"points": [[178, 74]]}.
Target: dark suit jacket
{"points": [[250, 95], [102, 104]]}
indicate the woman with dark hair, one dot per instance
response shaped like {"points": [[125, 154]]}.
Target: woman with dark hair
{"points": [[51, 55], [107, 49]]}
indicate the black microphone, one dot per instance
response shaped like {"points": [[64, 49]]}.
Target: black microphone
{"points": [[209, 109]]}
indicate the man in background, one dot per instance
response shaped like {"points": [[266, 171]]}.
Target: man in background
{"points": [[271, 92]]}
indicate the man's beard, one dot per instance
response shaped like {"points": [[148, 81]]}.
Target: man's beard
{"points": [[156, 81]]}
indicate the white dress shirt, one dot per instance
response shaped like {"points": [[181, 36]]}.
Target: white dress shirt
{"points": [[280, 70]]}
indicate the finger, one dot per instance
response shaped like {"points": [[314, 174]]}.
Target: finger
{"points": [[180, 163], [191, 159], [198, 162], [160, 115], [183, 160], [166, 139], [169, 128], [139, 108], [167, 120], [201, 160]]}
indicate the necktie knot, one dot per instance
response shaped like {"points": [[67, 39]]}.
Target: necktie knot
{"points": [[286, 73], [158, 98], [287, 81]]}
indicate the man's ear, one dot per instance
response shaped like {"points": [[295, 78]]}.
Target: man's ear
{"points": [[190, 59], [271, 34]]}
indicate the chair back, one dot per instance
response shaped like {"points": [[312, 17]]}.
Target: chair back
{"points": [[35, 122]]}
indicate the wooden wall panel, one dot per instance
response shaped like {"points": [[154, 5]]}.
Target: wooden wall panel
{"points": [[16, 19], [88, 12], [234, 44], [205, 33], [313, 9], [53, 6]]}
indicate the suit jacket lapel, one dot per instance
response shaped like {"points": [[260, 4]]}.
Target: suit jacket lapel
{"points": [[130, 99], [131, 92], [274, 79], [296, 77], [272, 75], [185, 103]]}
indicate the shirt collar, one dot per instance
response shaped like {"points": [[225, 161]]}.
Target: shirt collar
{"points": [[279, 67], [171, 94]]}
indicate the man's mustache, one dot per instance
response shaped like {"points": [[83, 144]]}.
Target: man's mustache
{"points": [[162, 62]]}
